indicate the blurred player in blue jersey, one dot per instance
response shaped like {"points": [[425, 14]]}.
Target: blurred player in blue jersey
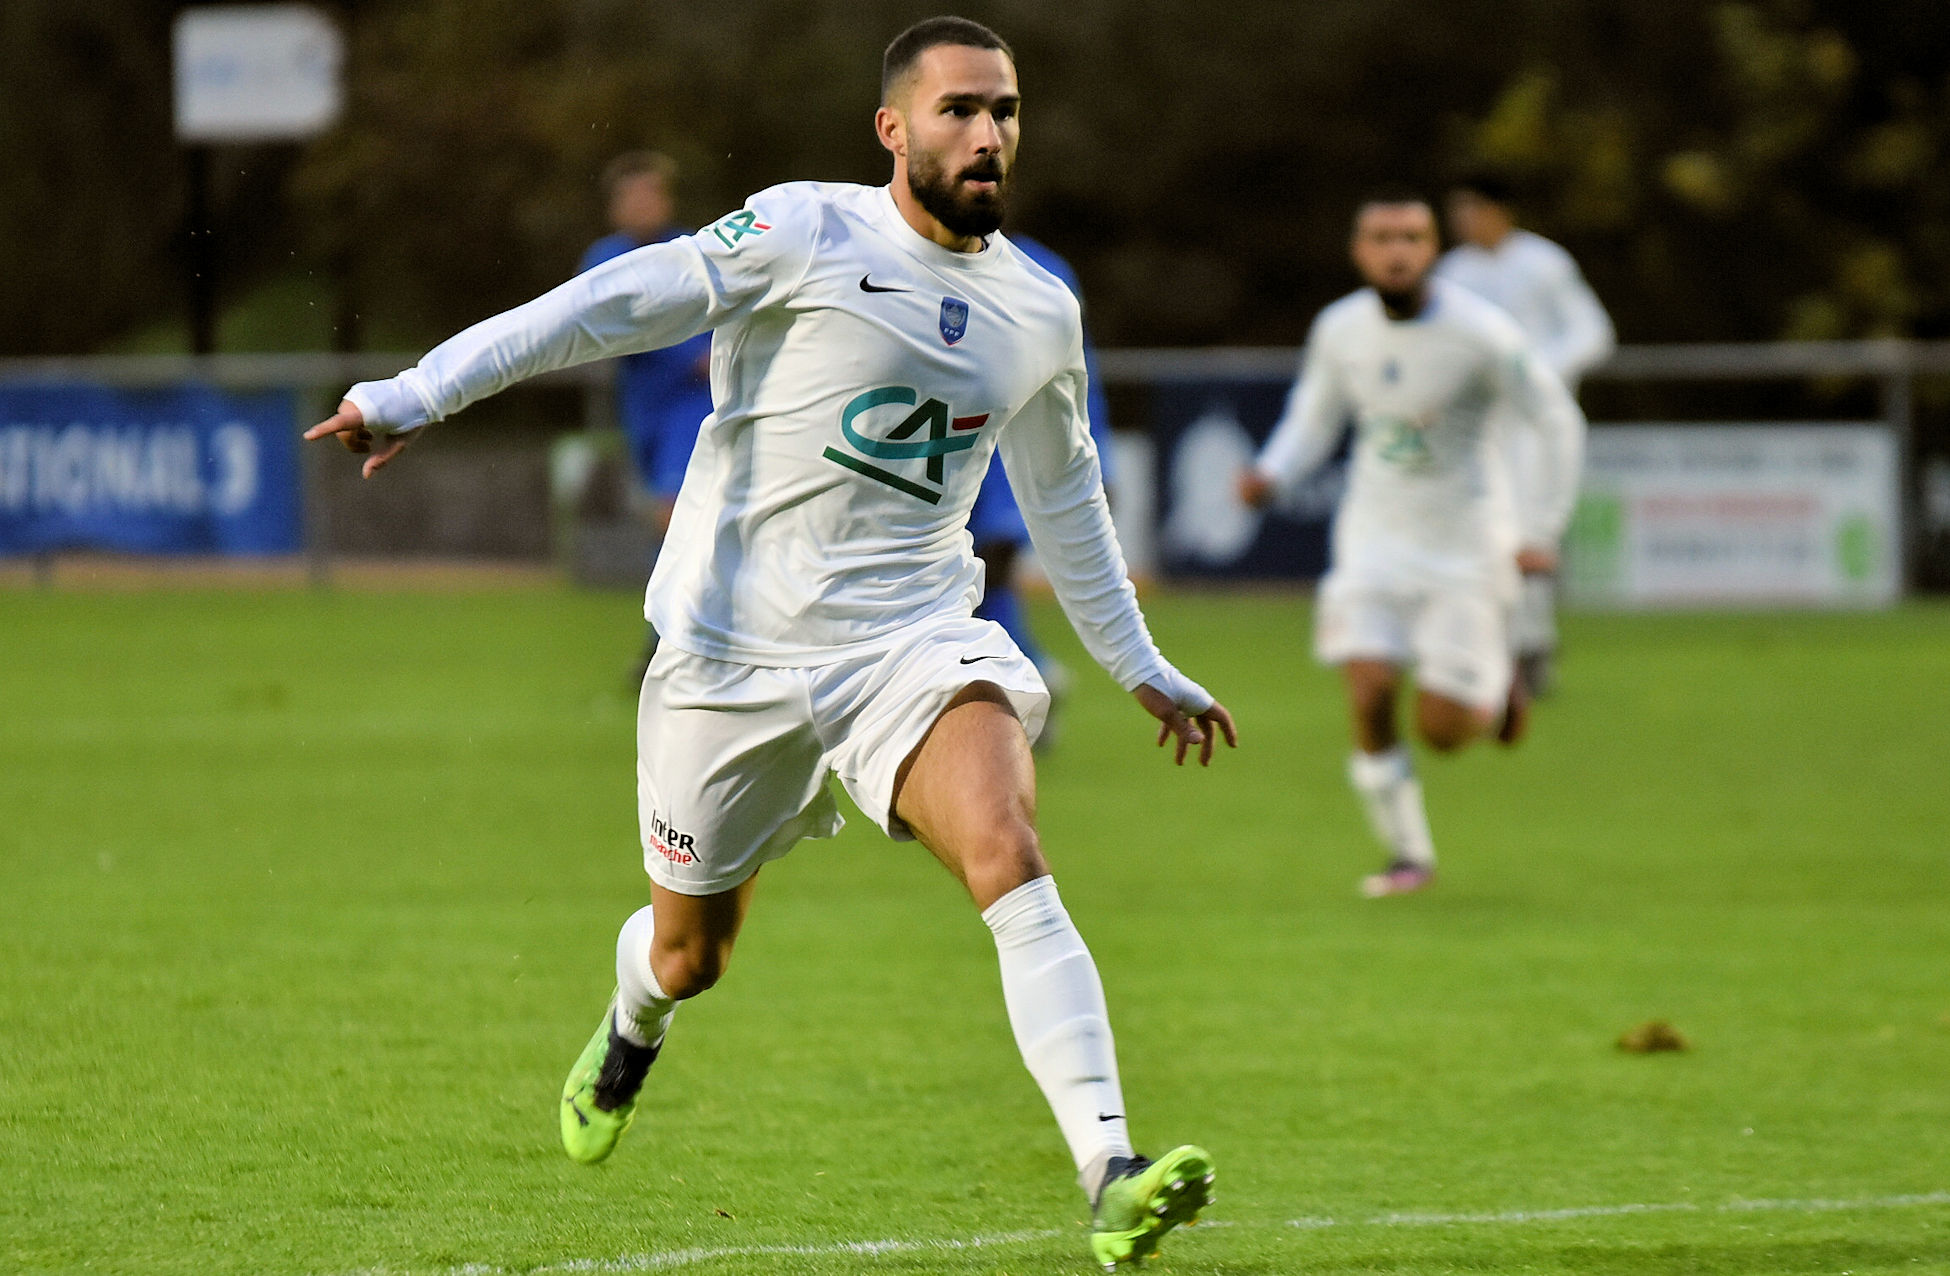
{"points": [[996, 523], [662, 395]]}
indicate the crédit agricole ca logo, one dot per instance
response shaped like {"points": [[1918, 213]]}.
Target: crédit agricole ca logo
{"points": [[928, 432]]}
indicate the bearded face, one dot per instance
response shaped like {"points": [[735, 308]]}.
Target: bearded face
{"points": [[953, 119], [970, 201]]}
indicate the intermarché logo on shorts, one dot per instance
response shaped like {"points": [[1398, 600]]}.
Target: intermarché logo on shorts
{"points": [[671, 844]]}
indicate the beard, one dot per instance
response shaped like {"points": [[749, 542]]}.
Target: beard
{"points": [[973, 213], [1406, 302]]}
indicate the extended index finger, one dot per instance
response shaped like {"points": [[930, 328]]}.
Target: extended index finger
{"points": [[337, 423], [348, 430], [347, 420]]}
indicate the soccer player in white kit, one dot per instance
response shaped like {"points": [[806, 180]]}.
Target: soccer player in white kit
{"points": [[872, 348], [1538, 284], [1429, 538]]}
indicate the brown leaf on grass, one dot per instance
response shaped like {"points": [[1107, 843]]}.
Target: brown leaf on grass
{"points": [[1651, 1037]]}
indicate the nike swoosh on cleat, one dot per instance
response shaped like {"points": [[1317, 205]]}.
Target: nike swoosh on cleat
{"points": [[969, 660], [578, 1111], [867, 285]]}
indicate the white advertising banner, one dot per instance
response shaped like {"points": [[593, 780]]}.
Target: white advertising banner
{"points": [[256, 73], [1737, 515]]}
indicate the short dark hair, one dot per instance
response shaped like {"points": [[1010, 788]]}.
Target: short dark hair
{"points": [[1486, 185], [907, 47], [632, 164], [1391, 193]]}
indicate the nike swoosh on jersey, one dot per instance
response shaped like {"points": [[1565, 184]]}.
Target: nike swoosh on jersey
{"points": [[867, 285], [969, 660]]}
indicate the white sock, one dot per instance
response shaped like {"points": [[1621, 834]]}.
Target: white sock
{"points": [[1392, 797], [643, 1012], [1056, 1006]]}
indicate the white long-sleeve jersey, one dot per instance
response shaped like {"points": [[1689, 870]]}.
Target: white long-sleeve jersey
{"points": [[1539, 285], [1427, 502], [863, 376]]}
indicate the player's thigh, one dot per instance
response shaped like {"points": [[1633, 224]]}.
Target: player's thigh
{"points": [[968, 794], [958, 693], [731, 772], [1462, 649]]}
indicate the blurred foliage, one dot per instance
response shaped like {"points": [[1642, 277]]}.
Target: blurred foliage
{"points": [[1770, 168], [1749, 169]]}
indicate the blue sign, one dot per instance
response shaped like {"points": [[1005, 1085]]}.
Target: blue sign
{"points": [[184, 470], [1207, 433]]}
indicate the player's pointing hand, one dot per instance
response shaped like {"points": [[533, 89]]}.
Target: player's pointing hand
{"points": [[349, 425], [1201, 729]]}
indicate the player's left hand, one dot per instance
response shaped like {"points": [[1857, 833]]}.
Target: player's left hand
{"points": [[1537, 560], [348, 424], [1201, 729]]}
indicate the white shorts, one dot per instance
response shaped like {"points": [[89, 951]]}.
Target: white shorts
{"points": [[733, 760], [1457, 640]]}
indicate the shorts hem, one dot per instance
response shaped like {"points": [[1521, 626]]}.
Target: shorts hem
{"points": [[1472, 699], [700, 889]]}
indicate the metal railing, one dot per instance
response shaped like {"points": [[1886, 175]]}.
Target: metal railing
{"points": [[1744, 361], [1893, 366]]}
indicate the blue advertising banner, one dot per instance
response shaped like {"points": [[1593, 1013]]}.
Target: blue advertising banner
{"points": [[1206, 433], [183, 470]]}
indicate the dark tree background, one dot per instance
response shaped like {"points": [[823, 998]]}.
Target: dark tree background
{"points": [[1744, 170]]}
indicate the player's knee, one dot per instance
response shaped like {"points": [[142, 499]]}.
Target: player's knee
{"points": [[1449, 729], [684, 972], [1445, 738], [1003, 858]]}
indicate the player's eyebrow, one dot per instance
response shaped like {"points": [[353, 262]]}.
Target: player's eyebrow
{"points": [[979, 99]]}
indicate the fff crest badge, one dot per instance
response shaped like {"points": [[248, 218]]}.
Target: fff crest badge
{"points": [[954, 319]]}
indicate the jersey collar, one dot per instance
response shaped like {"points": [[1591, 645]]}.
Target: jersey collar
{"points": [[919, 246]]}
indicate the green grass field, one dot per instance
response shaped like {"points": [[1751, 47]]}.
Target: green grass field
{"points": [[309, 902]]}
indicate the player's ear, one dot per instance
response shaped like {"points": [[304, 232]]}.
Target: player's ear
{"points": [[890, 126]]}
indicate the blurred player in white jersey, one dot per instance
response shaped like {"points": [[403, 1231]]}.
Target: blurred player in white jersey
{"points": [[1538, 284], [873, 347], [1429, 539]]}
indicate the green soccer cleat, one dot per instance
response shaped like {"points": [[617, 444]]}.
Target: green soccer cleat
{"points": [[599, 1098], [1142, 1200]]}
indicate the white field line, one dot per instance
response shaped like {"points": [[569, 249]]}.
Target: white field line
{"points": [[671, 1260]]}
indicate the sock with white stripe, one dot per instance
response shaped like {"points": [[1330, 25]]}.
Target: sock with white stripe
{"points": [[1392, 797], [1056, 1006]]}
